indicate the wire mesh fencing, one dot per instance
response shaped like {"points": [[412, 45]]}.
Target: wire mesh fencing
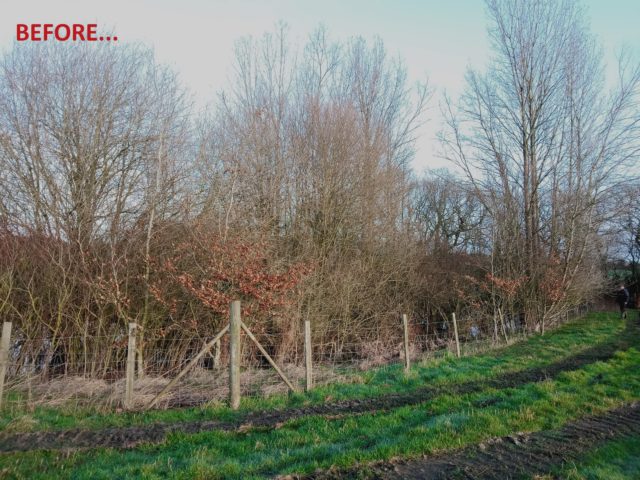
{"points": [[187, 369]]}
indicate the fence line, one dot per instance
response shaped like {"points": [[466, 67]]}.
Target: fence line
{"points": [[194, 373]]}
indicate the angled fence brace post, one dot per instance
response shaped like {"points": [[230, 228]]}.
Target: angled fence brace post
{"points": [[234, 355], [268, 357], [4, 354], [207, 346]]}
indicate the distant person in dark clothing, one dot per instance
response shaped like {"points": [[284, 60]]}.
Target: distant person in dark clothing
{"points": [[622, 297]]}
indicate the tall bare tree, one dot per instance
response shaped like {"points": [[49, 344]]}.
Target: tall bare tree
{"points": [[91, 140], [542, 143]]}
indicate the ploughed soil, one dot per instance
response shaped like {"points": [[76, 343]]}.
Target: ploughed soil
{"points": [[126, 437], [512, 457]]}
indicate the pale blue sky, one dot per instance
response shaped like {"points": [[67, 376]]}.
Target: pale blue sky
{"points": [[436, 39]]}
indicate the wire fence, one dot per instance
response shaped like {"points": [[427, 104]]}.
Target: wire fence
{"points": [[66, 372]]}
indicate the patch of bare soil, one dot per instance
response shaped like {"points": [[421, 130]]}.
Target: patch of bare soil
{"points": [[512, 457], [126, 437]]}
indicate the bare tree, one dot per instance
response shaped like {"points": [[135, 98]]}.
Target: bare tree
{"points": [[446, 214], [542, 143], [314, 147], [91, 141]]}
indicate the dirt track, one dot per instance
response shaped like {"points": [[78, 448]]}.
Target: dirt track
{"points": [[126, 437], [511, 457]]}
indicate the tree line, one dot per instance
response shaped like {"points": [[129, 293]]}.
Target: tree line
{"points": [[293, 191]]}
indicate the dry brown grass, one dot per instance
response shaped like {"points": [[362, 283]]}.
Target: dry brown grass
{"points": [[204, 386]]}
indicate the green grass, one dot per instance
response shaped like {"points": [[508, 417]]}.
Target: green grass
{"points": [[443, 423], [615, 460], [536, 351], [308, 443]]}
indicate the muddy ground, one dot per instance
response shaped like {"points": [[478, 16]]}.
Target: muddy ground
{"points": [[512, 457]]}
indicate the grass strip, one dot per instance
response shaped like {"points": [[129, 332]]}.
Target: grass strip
{"points": [[536, 351], [303, 445]]}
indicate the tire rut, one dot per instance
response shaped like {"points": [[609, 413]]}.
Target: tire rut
{"points": [[511, 457], [127, 437]]}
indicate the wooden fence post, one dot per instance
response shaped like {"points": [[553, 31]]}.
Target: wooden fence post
{"points": [[4, 354], [307, 355], [455, 333], [405, 326], [234, 355], [131, 366]]}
